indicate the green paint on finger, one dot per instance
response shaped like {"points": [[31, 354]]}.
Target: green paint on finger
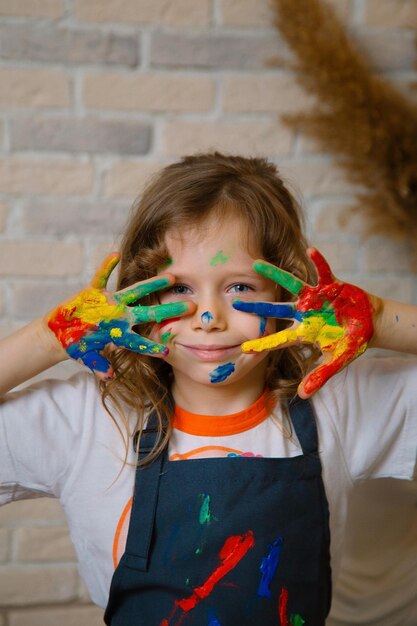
{"points": [[130, 296], [285, 279], [159, 312], [166, 311], [219, 257]]}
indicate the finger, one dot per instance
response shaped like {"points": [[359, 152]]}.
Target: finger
{"points": [[135, 292], [321, 374], [282, 339], [160, 312], [98, 364], [101, 277], [283, 278], [268, 309], [324, 273], [136, 343]]}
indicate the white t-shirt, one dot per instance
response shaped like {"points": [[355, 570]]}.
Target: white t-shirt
{"points": [[378, 570], [57, 440]]}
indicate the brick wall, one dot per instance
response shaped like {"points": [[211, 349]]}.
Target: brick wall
{"points": [[94, 96]]}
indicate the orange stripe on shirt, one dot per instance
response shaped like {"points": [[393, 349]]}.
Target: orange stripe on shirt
{"points": [[223, 425]]}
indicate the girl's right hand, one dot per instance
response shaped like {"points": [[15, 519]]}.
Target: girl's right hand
{"points": [[95, 318]]}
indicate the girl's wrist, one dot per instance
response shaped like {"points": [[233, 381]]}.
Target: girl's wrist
{"points": [[395, 326], [48, 342], [377, 305]]}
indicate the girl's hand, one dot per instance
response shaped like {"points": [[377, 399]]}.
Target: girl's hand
{"points": [[335, 316], [95, 317]]}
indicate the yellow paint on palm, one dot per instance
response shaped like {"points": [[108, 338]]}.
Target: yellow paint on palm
{"points": [[92, 307], [314, 330], [311, 330]]}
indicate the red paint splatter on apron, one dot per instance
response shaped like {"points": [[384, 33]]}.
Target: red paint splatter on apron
{"points": [[232, 552]]}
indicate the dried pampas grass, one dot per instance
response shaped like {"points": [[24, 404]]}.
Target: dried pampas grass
{"points": [[361, 118]]}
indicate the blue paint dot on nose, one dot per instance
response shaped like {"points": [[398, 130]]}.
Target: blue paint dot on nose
{"points": [[206, 317]]}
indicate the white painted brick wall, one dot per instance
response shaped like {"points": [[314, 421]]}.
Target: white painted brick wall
{"points": [[95, 95]]}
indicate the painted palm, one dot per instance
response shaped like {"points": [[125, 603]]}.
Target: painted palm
{"points": [[335, 316], [95, 317]]}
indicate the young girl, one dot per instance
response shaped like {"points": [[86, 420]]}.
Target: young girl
{"points": [[205, 499]]}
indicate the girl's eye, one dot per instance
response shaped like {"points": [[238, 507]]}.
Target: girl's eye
{"points": [[240, 288], [180, 290]]}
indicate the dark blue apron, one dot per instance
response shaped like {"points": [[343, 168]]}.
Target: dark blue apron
{"points": [[227, 541]]}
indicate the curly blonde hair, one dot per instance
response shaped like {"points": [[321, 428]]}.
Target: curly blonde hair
{"points": [[186, 194]]}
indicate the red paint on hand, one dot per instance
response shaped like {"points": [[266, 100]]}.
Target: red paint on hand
{"points": [[353, 311]]}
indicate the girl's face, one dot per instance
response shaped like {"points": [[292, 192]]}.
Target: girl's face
{"points": [[212, 268]]}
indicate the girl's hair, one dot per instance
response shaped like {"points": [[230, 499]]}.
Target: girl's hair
{"points": [[184, 195]]}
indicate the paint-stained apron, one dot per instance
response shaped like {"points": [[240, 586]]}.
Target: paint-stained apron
{"points": [[229, 541]]}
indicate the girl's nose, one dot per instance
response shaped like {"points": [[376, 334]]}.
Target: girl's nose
{"points": [[209, 319], [206, 318]]}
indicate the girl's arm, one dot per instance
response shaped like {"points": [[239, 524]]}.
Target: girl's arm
{"points": [[28, 352], [84, 325], [395, 326]]}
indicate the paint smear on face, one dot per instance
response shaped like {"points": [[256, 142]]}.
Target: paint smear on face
{"points": [[269, 567], [219, 257], [206, 318], [262, 326], [222, 372], [165, 337]]}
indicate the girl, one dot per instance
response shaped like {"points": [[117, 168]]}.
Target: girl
{"points": [[205, 499]]}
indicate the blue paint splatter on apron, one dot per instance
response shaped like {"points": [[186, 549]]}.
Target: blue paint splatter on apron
{"points": [[213, 621], [268, 568]]}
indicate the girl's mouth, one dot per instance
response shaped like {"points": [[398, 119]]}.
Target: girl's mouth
{"points": [[212, 352]]}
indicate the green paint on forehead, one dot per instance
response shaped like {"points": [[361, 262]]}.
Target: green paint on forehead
{"points": [[219, 257], [164, 266]]}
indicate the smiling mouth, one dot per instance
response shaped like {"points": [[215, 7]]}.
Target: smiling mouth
{"points": [[211, 353]]}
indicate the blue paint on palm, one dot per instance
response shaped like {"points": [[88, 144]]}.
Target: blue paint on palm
{"points": [[89, 347], [222, 372], [118, 332], [268, 568], [206, 317]]}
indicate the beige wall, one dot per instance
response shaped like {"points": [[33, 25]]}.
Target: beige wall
{"points": [[94, 96]]}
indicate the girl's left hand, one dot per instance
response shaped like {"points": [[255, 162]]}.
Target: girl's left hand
{"points": [[335, 316]]}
